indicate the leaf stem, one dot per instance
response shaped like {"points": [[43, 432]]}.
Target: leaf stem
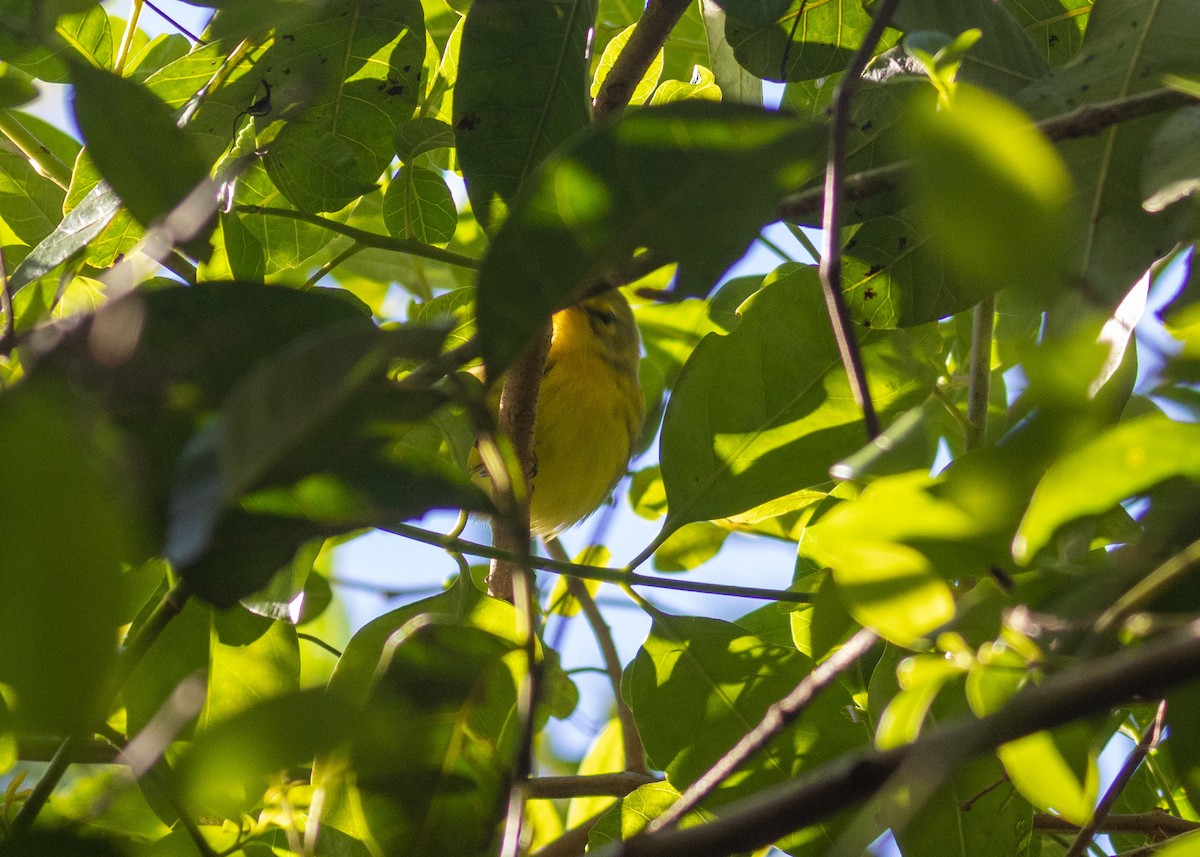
{"points": [[831, 222], [367, 239], [42, 159], [135, 12], [983, 318]]}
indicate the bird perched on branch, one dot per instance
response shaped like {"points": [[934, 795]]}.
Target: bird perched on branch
{"points": [[589, 413]]}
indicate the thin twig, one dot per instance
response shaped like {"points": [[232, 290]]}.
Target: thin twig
{"points": [[1148, 742], [983, 318], [635, 753], [596, 572], [831, 251], [1154, 823], [131, 26], [763, 818], [1149, 587], [644, 43], [367, 239], [178, 26], [777, 718]]}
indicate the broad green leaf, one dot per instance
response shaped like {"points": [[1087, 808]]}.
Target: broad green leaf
{"points": [[30, 204], [798, 40], [1127, 49], [612, 50], [921, 678], [1172, 167], [633, 812], [702, 85], [1056, 27], [179, 653], [341, 142], [120, 234], [975, 814], [766, 410], [62, 593], [81, 224], [690, 546], [195, 344], [733, 82], [16, 87], [418, 136], [985, 182], [251, 660], [1182, 846], [1042, 775], [228, 768], [419, 205], [720, 680], [639, 182], [82, 34], [1005, 60], [520, 92], [152, 170], [1184, 746], [1121, 463]]}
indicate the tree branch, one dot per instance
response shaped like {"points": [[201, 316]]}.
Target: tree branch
{"points": [[646, 41], [591, 785], [831, 251], [755, 822], [983, 319], [1154, 823]]}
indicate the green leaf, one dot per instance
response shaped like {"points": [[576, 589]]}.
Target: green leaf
{"points": [[228, 768], [152, 170], [341, 142], [605, 755], [181, 651], [252, 659], [1123, 462], [721, 680], [521, 91], [765, 411], [985, 182], [612, 50], [921, 678], [62, 595], [630, 815], [1040, 772], [796, 41], [1172, 167], [1005, 60], [1055, 26], [83, 223], [30, 204], [690, 546], [1127, 49], [1184, 746], [16, 87], [419, 205], [733, 82], [418, 136], [639, 182]]}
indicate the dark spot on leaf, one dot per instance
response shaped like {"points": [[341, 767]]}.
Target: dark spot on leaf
{"points": [[866, 322], [287, 70], [903, 242], [396, 89], [869, 294], [873, 270], [407, 69], [1085, 87], [1053, 40], [850, 244], [1133, 25], [867, 126], [288, 37], [468, 122], [1089, 58]]}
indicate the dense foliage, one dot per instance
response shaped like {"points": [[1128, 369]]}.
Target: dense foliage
{"points": [[233, 321]]}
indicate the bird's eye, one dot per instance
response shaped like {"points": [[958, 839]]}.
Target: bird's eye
{"points": [[602, 315]]}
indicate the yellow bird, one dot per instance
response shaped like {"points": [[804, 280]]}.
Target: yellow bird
{"points": [[590, 411]]}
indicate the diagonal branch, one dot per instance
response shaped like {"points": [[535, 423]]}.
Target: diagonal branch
{"points": [[777, 718], [831, 250], [643, 46]]}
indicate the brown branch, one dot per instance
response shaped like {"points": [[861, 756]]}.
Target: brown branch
{"points": [[590, 785], [1148, 742], [1146, 671], [644, 43], [831, 251], [777, 718], [1156, 824]]}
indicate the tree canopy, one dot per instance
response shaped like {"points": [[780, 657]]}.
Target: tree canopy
{"points": [[236, 298]]}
